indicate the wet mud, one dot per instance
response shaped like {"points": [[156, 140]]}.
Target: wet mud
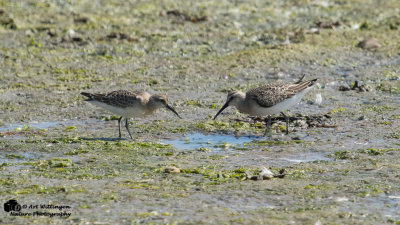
{"points": [[338, 165]]}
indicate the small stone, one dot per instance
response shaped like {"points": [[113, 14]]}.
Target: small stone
{"points": [[297, 138], [266, 174], [341, 199], [369, 44], [71, 33], [301, 123], [344, 88], [362, 118], [255, 178], [282, 174], [81, 19], [318, 99], [358, 88], [172, 169], [252, 177]]}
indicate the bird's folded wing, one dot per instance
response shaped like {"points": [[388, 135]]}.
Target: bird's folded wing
{"points": [[269, 95], [119, 98]]}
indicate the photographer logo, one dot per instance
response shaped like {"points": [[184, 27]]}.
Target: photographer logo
{"points": [[12, 205], [14, 209]]}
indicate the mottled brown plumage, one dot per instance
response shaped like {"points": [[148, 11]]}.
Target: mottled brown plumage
{"points": [[121, 98], [270, 94]]}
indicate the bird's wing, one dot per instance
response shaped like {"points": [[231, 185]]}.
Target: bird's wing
{"points": [[270, 94], [120, 98], [301, 79]]}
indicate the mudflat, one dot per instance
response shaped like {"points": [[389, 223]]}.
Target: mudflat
{"points": [[338, 165]]}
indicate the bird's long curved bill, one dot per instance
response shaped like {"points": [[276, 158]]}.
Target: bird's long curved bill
{"points": [[173, 110], [222, 109]]}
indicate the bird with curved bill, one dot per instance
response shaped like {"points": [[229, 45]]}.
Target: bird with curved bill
{"points": [[129, 104], [269, 99]]}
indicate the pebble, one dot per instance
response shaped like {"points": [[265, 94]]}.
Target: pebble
{"points": [[172, 169], [369, 44]]}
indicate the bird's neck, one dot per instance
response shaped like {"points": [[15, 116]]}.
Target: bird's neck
{"points": [[239, 102], [152, 105]]}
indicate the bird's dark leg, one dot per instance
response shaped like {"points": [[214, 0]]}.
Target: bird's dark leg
{"points": [[127, 128], [119, 126], [287, 122], [268, 123]]}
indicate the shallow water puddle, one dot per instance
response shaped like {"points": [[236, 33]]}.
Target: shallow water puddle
{"points": [[15, 161], [37, 125], [17, 158], [213, 142], [65, 124], [371, 205], [218, 142], [309, 157]]}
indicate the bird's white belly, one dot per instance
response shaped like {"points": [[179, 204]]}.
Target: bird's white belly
{"points": [[281, 106], [128, 112]]}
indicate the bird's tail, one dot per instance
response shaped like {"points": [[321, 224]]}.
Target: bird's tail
{"points": [[89, 95], [309, 83], [297, 87], [312, 82]]}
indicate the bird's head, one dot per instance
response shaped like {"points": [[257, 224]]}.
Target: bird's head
{"points": [[233, 98], [161, 101]]}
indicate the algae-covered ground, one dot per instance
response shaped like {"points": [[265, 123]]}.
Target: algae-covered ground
{"points": [[338, 165]]}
